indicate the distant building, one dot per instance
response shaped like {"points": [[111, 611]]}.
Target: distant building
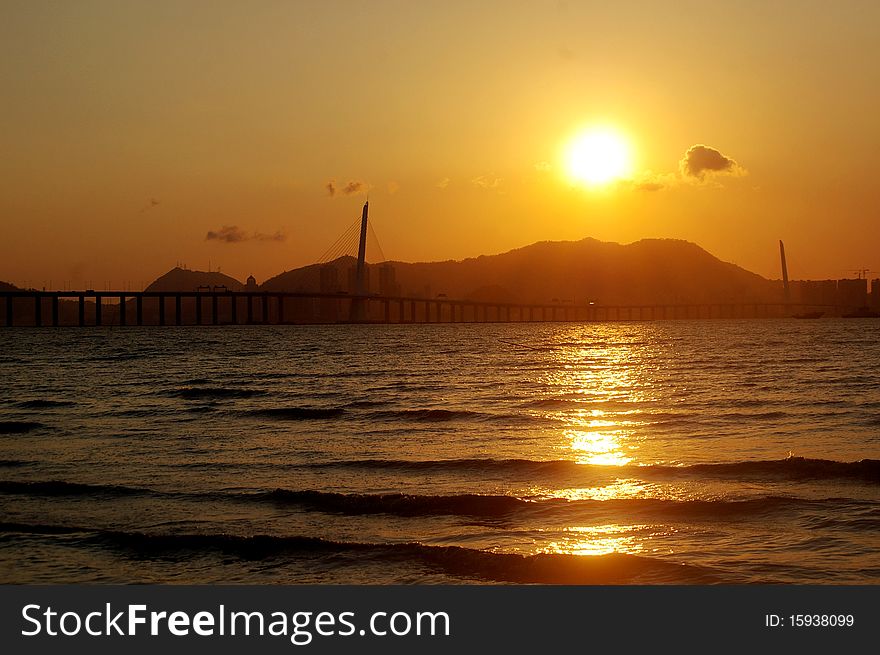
{"points": [[874, 300], [388, 285], [814, 292], [852, 293], [329, 279], [250, 283]]}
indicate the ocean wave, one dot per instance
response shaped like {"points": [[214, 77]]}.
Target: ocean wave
{"points": [[432, 415], [790, 468], [297, 413], [398, 504], [13, 463], [367, 403], [41, 403], [202, 393], [463, 505], [19, 427], [614, 568], [494, 506], [60, 488]]}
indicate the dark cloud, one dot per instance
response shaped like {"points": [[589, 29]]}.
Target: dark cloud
{"points": [[234, 234], [275, 236], [354, 186], [649, 186], [227, 234], [701, 159]]}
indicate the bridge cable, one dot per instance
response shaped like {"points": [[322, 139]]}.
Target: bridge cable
{"points": [[340, 243], [376, 240]]}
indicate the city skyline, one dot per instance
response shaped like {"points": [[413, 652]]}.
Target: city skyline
{"points": [[143, 135]]}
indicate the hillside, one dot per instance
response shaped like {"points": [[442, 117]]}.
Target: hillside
{"points": [[179, 279], [645, 272]]}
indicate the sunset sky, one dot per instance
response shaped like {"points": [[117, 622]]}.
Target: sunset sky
{"points": [[130, 130]]}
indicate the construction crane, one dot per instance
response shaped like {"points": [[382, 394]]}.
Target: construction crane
{"points": [[863, 272]]}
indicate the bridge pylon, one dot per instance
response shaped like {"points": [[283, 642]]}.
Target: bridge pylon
{"points": [[358, 306]]}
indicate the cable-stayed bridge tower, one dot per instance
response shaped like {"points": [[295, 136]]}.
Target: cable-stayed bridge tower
{"points": [[360, 290]]}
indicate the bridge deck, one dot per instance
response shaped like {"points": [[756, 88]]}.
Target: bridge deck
{"points": [[83, 308]]}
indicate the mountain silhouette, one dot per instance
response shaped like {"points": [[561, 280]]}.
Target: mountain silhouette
{"points": [[650, 271], [181, 279]]}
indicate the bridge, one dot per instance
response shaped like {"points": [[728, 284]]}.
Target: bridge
{"points": [[127, 308], [250, 307]]}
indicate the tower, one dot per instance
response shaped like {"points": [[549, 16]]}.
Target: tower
{"points": [[358, 303], [360, 288], [784, 270]]}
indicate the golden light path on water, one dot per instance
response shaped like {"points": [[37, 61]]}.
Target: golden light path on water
{"points": [[598, 540], [597, 378]]}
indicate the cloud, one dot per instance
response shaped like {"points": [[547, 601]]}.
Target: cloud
{"points": [[442, 184], [354, 186], [278, 235], [700, 160], [227, 234], [234, 234], [351, 187], [485, 182]]}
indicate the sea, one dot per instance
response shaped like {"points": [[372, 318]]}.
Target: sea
{"points": [[668, 452]]}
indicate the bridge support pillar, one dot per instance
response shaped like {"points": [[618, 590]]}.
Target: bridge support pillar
{"points": [[55, 311], [198, 309], [250, 309], [265, 308], [139, 309], [122, 310], [161, 310], [38, 310], [280, 310], [178, 313], [82, 311], [233, 309], [214, 317], [98, 308]]}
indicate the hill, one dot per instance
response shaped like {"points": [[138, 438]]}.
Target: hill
{"points": [[645, 272], [180, 279]]}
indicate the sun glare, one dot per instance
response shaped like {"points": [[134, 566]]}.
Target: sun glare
{"points": [[598, 156]]}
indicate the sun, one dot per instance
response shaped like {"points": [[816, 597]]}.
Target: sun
{"points": [[598, 156]]}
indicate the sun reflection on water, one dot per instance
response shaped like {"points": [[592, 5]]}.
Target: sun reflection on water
{"points": [[601, 389], [597, 540], [620, 488], [599, 447]]}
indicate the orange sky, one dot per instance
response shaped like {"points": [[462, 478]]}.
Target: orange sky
{"points": [[453, 115]]}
